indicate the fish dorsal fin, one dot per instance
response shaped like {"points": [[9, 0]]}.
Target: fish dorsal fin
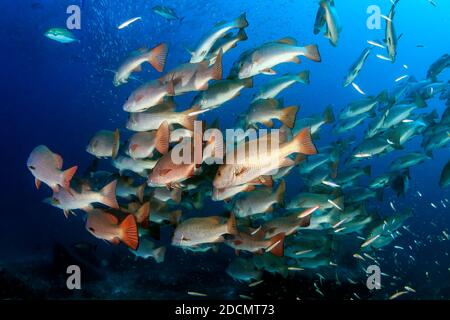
{"points": [[58, 160], [287, 40], [111, 218]]}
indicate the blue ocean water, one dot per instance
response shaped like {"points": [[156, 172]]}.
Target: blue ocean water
{"points": [[61, 94]]}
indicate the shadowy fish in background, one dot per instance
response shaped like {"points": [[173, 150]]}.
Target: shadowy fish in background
{"points": [[327, 16], [355, 69], [391, 38], [242, 269], [444, 181], [147, 249], [60, 35], [438, 66], [167, 13]]}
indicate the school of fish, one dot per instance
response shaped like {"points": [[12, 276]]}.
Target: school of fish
{"points": [[268, 231]]}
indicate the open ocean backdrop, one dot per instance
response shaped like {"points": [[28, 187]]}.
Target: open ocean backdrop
{"points": [[61, 94]]}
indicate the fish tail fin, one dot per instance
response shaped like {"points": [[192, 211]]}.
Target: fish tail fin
{"points": [[312, 53], [159, 254], [216, 69], [302, 143], [241, 21], [232, 225], [276, 246], [288, 116], [175, 217], [140, 192], [67, 177], [303, 77], [162, 138], [175, 195], [242, 35], [328, 115], [157, 57], [143, 214], [108, 195], [129, 232], [279, 194], [116, 144]]}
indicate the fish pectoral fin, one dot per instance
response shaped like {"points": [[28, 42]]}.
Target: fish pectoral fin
{"points": [[37, 183], [66, 213], [164, 172], [268, 71]]}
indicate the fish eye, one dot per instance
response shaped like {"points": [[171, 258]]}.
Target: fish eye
{"points": [[55, 200], [31, 167]]}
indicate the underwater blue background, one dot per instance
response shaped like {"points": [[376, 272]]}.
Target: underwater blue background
{"points": [[60, 95]]}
